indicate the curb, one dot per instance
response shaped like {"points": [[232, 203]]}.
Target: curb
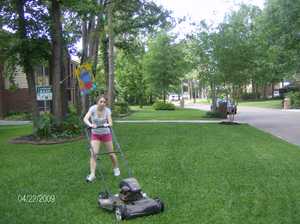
{"points": [[173, 121], [7, 122]]}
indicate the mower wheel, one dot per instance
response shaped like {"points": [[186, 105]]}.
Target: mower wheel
{"points": [[161, 204], [103, 195], [120, 212]]}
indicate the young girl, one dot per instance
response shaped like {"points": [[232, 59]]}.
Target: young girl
{"points": [[100, 117]]}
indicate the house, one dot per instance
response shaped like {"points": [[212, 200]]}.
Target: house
{"points": [[14, 95]]}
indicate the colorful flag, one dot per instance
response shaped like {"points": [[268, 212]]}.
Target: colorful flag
{"points": [[85, 78]]}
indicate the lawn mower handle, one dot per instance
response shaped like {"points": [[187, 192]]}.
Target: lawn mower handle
{"points": [[102, 126]]}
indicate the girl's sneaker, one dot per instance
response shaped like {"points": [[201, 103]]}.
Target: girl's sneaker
{"points": [[90, 178], [117, 172]]}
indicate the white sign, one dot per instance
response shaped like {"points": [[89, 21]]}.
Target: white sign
{"points": [[43, 93]]}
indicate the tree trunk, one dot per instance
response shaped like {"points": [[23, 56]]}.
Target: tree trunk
{"points": [[32, 92], [141, 101], [257, 94], [110, 57], [78, 99], [56, 36], [194, 91], [265, 91], [50, 81], [84, 98], [2, 111], [95, 41], [190, 89], [200, 90], [213, 96], [66, 60], [84, 41], [26, 60], [104, 49], [164, 95], [151, 98]]}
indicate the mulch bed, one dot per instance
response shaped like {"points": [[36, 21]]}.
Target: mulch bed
{"points": [[31, 139], [229, 123]]}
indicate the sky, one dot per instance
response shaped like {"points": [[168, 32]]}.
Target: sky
{"points": [[213, 11]]}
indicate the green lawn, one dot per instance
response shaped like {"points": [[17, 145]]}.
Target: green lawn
{"points": [[148, 113], [202, 101], [204, 173], [275, 104]]}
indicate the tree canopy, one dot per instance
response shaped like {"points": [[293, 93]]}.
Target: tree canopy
{"points": [[134, 55]]}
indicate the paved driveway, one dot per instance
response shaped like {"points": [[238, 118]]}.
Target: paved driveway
{"points": [[284, 124]]}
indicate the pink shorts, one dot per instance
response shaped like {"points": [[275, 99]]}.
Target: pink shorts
{"points": [[102, 138]]}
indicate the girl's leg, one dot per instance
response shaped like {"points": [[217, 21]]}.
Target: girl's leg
{"points": [[94, 151], [113, 157]]}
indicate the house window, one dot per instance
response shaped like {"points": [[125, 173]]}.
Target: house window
{"points": [[39, 75]]}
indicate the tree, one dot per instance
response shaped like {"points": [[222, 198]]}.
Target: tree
{"points": [[235, 48], [130, 78], [202, 45], [56, 60], [117, 23], [163, 64], [126, 20], [280, 25], [283, 17]]}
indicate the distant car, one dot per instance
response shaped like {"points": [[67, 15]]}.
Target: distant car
{"points": [[231, 106], [276, 93], [174, 97], [185, 96]]}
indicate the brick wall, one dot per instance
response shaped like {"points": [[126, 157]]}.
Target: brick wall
{"points": [[19, 100], [2, 110], [16, 101]]}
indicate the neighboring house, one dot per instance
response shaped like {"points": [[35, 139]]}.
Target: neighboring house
{"points": [[14, 96], [267, 90]]}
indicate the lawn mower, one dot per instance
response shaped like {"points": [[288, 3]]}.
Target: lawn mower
{"points": [[131, 201]]}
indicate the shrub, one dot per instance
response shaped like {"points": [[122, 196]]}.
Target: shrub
{"points": [[250, 96], [47, 126], [159, 105], [43, 125], [120, 108], [18, 116], [295, 99], [72, 124]]}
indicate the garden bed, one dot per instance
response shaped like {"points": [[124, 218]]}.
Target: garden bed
{"points": [[31, 139]]}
